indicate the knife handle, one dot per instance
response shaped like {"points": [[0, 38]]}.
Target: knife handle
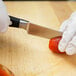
{"points": [[17, 22]]}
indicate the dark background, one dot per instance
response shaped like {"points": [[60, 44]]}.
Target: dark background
{"points": [[39, 0]]}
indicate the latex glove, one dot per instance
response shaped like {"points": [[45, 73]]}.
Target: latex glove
{"points": [[68, 41], [4, 19]]}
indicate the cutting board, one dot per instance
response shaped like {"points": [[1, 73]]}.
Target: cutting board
{"points": [[28, 55]]}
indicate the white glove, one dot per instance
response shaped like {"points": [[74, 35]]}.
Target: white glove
{"points": [[4, 19], [68, 41]]}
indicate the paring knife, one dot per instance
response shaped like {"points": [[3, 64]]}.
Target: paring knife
{"points": [[34, 29]]}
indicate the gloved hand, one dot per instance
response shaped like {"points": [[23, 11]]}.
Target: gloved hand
{"points": [[4, 19], [68, 41]]}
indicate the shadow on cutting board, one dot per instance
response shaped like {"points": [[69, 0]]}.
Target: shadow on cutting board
{"points": [[70, 59]]}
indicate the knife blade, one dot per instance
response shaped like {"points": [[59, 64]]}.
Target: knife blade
{"points": [[34, 29]]}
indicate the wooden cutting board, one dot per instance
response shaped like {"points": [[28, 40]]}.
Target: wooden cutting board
{"points": [[28, 55]]}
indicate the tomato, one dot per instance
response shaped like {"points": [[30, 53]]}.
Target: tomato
{"points": [[53, 44], [4, 71]]}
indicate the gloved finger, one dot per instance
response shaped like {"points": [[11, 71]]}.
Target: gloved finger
{"points": [[73, 15], [71, 48], [4, 19], [64, 26], [67, 36]]}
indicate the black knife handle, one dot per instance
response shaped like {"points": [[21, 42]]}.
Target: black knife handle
{"points": [[15, 21]]}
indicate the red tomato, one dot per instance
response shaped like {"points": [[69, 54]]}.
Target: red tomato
{"points": [[4, 71], [53, 44]]}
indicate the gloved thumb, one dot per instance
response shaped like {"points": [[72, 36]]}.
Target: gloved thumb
{"points": [[4, 19]]}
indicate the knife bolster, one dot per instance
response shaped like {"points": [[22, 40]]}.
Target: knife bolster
{"points": [[23, 24]]}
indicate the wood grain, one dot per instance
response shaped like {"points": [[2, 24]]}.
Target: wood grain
{"points": [[28, 55], [62, 10]]}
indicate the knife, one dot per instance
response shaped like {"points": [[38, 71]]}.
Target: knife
{"points": [[34, 29]]}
